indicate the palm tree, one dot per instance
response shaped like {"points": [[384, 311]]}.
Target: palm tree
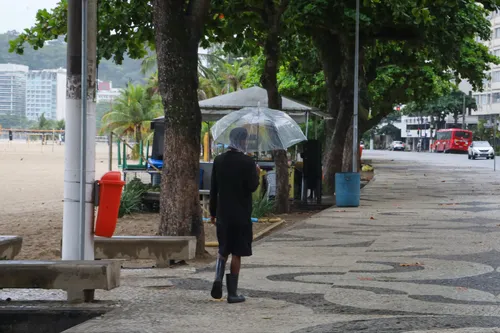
{"points": [[209, 88], [233, 75], [133, 112]]}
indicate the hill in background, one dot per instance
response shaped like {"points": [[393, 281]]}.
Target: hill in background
{"points": [[53, 56]]}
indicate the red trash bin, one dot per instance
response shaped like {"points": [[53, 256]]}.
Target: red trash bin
{"points": [[110, 193]]}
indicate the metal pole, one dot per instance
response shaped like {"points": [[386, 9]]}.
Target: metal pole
{"points": [[495, 143], [304, 190], [307, 124], [463, 115], [110, 142], [356, 97], [83, 138]]}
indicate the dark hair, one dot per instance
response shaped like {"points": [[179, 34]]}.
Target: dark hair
{"points": [[238, 135]]}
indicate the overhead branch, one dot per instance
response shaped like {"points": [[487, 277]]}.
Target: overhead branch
{"points": [[197, 12], [283, 6]]}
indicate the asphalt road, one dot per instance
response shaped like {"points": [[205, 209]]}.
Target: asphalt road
{"points": [[445, 160]]}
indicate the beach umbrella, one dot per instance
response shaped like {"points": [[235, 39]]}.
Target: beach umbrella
{"points": [[266, 130]]}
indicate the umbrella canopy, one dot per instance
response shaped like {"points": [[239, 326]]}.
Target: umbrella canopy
{"points": [[254, 129]]}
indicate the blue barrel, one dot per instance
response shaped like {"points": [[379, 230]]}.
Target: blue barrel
{"points": [[347, 189]]}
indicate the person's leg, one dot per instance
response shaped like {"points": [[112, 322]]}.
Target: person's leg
{"points": [[235, 264], [241, 238], [220, 264]]}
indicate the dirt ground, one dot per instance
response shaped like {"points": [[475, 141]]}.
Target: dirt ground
{"points": [[31, 199]]}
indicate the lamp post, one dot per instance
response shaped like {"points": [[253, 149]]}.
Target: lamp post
{"points": [[431, 139], [355, 145]]}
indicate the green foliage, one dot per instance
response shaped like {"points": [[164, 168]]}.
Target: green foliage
{"points": [[101, 109], [48, 124], [131, 201], [132, 113], [483, 133], [439, 108], [43, 123], [262, 207], [390, 130], [14, 121]]}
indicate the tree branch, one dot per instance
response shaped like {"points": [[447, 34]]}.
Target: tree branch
{"points": [[251, 9], [197, 12], [372, 122], [283, 7]]}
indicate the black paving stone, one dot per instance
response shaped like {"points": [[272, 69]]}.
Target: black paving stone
{"points": [[404, 324]]}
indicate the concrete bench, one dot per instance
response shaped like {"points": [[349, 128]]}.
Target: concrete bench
{"points": [[159, 248], [78, 278], [10, 246]]}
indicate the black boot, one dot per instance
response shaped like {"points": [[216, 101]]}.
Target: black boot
{"points": [[232, 289], [220, 268]]}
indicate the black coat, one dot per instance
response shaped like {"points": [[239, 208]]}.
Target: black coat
{"points": [[234, 179]]}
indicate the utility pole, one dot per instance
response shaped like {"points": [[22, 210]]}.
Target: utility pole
{"points": [[463, 114], [355, 144], [110, 140], [79, 169], [495, 125]]}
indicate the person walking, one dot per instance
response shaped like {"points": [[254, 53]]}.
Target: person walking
{"points": [[235, 176]]}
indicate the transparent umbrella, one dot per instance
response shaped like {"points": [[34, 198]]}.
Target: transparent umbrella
{"points": [[255, 129]]}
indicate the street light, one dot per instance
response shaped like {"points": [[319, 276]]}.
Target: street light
{"points": [[355, 145]]}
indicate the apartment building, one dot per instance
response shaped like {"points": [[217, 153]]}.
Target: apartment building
{"points": [[46, 94], [13, 89]]}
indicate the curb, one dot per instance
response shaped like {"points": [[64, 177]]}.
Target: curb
{"points": [[256, 236]]}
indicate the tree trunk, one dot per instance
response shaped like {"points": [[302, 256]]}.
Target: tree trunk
{"points": [[335, 154], [347, 156], [270, 82], [337, 54], [330, 54], [178, 31], [347, 159]]}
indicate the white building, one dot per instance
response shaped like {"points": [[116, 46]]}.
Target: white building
{"points": [[488, 101], [105, 92], [13, 89], [46, 94]]}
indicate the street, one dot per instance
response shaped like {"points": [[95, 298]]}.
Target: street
{"points": [[421, 254], [450, 160]]}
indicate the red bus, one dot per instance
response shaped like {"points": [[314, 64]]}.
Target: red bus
{"points": [[452, 140]]}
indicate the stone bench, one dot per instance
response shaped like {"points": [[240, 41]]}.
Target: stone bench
{"points": [[163, 249], [10, 246], [78, 278]]}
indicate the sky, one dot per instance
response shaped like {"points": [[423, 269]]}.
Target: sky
{"points": [[20, 14]]}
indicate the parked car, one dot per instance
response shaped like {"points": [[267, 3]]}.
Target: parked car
{"points": [[480, 149], [398, 145]]}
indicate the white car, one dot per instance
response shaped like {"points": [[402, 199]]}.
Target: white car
{"points": [[480, 149], [398, 145]]}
